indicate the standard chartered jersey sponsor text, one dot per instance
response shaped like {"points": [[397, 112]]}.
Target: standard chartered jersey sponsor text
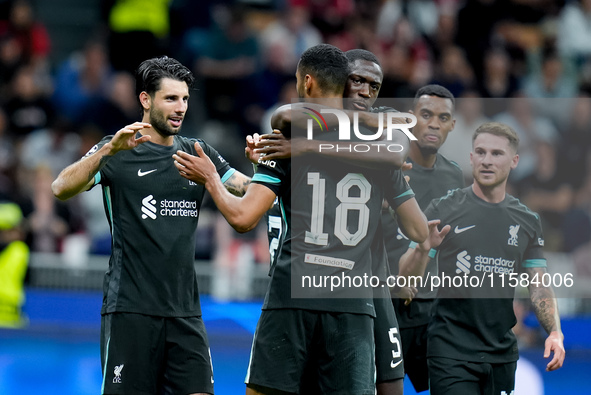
{"points": [[168, 208], [483, 264]]}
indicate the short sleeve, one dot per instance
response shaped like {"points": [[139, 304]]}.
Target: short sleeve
{"points": [[101, 175], [271, 173], [400, 191], [534, 254], [221, 165]]}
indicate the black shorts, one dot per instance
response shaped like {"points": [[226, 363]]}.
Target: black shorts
{"points": [[450, 376], [303, 351], [143, 354], [389, 364], [414, 351]]}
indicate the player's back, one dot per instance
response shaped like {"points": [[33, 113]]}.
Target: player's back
{"points": [[332, 213]]}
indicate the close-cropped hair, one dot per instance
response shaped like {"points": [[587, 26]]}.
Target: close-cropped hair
{"points": [[498, 129], [328, 65]]}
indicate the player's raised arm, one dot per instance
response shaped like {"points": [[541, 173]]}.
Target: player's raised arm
{"points": [[243, 214], [286, 117], [544, 303], [79, 176], [414, 261], [412, 221]]}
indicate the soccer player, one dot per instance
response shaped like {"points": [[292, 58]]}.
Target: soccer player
{"points": [[432, 176], [361, 91], [472, 349], [152, 336], [323, 336]]}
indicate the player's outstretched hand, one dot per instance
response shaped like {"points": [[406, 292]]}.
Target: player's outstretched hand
{"points": [[249, 150], [274, 146], [436, 236], [125, 138], [554, 344], [199, 169]]}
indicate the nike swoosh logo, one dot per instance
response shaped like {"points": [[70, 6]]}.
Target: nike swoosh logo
{"points": [[141, 173], [460, 230], [393, 365]]}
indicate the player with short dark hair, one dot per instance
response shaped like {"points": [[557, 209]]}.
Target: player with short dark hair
{"points": [[152, 335], [432, 176], [472, 348], [361, 91], [322, 337]]}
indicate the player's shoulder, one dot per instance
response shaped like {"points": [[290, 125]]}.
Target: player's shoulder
{"points": [[98, 145], [186, 142], [448, 164], [515, 204], [454, 198]]}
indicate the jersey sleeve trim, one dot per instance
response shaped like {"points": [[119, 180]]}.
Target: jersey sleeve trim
{"points": [[265, 179], [97, 178], [228, 174], [403, 194], [535, 263]]}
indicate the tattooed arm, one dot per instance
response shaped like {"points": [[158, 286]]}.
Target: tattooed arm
{"points": [[79, 176], [237, 184], [546, 309]]}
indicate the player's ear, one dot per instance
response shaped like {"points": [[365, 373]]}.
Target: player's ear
{"points": [[145, 100], [308, 82], [515, 161]]}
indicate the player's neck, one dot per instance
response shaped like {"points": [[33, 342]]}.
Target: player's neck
{"points": [[329, 101], [420, 157], [494, 194]]}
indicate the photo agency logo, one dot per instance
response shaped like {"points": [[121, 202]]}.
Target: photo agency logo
{"points": [[382, 139]]}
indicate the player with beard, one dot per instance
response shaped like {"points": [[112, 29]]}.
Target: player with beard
{"points": [[152, 336], [472, 348]]}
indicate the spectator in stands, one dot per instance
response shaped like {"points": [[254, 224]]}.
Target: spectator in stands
{"points": [[14, 259], [397, 67], [80, 79], [49, 221], [137, 30], [531, 127], [289, 36], [54, 147], [118, 106], [229, 66], [547, 192], [476, 23], [575, 146], [469, 116], [574, 30], [7, 158], [497, 81], [453, 71], [27, 109], [30, 36]]}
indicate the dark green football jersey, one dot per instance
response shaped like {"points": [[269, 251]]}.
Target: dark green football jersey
{"points": [[428, 184], [331, 210], [473, 323], [153, 213]]}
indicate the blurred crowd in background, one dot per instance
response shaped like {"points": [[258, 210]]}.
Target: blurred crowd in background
{"points": [[526, 63]]}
